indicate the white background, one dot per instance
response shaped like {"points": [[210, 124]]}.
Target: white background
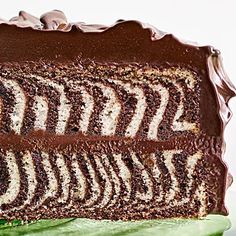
{"points": [[204, 21]]}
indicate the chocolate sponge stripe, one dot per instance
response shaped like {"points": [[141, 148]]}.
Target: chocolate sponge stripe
{"points": [[64, 178], [99, 178], [174, 186], [53, 103], [1, 109], [158, 117], [79, 189], [95, 187], [125, 176], [164, 174], [64, 103], [109, 115], [4, 173], [153, 100], [146, 195], [114, 178], [75, 98], [40, 108], [156, 173], [14, 180], [84, 169], [107, 191], [133, 126], [17, 113], [94, 127], [41, 177], [87, 110], [29, 118], [180, 162], [52, 187], [181, 125]]}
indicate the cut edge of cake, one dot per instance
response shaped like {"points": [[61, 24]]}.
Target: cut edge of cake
{"points": [[223, 89]]}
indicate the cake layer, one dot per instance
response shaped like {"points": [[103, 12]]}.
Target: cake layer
{"points": [[129, 185], [148, 102]]}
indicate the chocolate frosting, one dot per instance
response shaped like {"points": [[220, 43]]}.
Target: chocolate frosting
{"points": [[51, 37]]}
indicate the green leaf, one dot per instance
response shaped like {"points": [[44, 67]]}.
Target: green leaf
{"points": [[211, 225]]}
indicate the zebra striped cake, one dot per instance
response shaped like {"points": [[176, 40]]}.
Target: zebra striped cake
{"points": [[89, 129]]}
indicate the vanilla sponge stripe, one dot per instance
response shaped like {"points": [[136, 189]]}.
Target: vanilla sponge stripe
{"points": [[107, 193], [40, 108], [79, 190], [95, 188]]}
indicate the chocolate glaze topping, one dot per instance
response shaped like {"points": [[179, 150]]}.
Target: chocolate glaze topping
{"points": [[52, 38]]}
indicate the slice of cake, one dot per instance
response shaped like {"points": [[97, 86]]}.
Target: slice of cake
{"points": [[121, 122]]}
